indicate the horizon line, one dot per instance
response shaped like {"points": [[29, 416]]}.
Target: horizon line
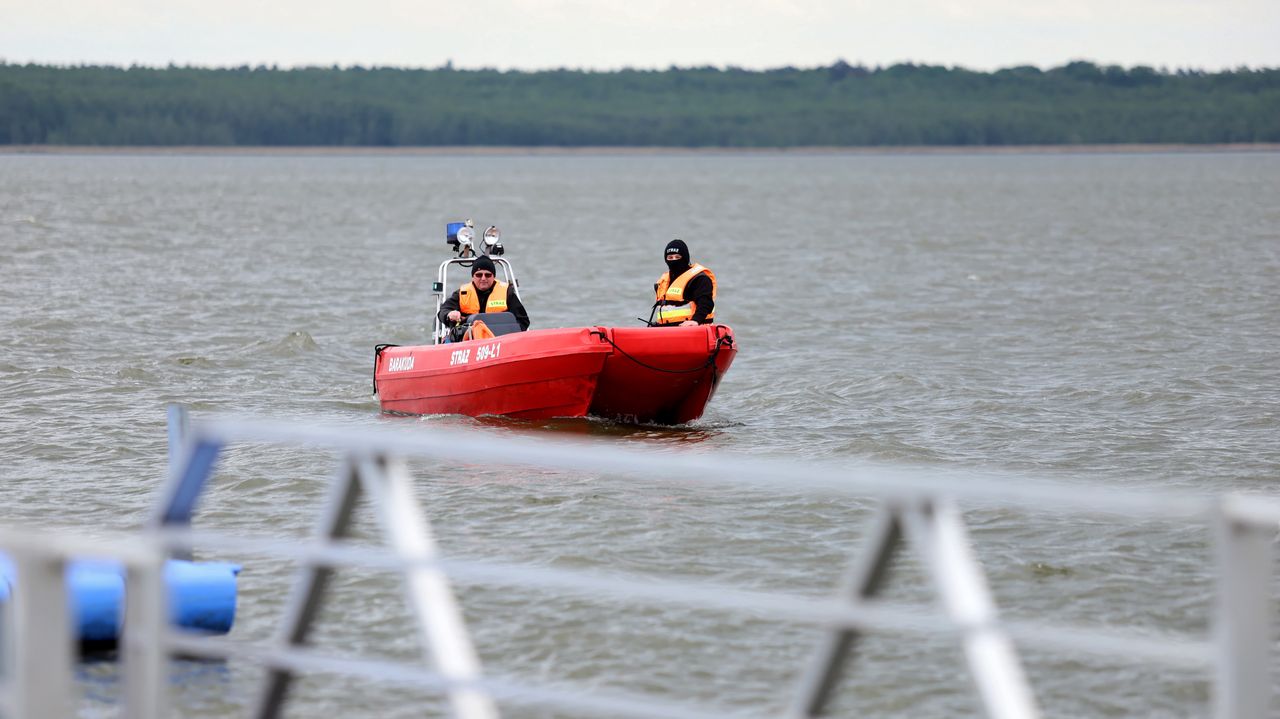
{"points": [[448, 66]]}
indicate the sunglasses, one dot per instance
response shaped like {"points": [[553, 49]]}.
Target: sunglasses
{"points": [[483, 275]]}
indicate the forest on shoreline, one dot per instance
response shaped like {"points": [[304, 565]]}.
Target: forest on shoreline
{"points": [[842, 105]]}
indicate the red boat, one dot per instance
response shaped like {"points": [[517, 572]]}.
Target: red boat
{"points": [[663, 375]]}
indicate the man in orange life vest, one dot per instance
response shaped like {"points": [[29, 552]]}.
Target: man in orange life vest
{"points": [[484, 293], [685, 293]]}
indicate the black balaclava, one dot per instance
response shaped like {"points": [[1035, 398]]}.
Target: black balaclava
{"points": [[677, 267]]}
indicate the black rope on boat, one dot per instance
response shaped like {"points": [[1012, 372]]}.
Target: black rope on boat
{"points": [[377, 353], [724, 340]]}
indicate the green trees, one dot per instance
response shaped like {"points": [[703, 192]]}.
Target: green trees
{"points": [[840, 105]]}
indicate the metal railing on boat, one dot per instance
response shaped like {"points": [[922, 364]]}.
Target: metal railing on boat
{"points": [[917, 510]]}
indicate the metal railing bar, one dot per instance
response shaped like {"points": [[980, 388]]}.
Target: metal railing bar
{"points": [[129, 550], [1179, 651], [1248, 509], [599, 703], [938, 533], [828, 477], [42, 639], [1243, 618], [836, 648], [146, 613], [442, 630], [401, 673], [307, 590]]}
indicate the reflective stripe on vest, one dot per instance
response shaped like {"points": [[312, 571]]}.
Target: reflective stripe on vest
{"points": [[675, 308], [673, 314], [469, 305]]}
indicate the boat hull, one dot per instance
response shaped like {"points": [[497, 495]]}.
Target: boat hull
{"points": [[531, 375], [663, 375]]}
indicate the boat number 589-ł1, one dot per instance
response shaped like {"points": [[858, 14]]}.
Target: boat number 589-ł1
{"points": [[482, 353]]}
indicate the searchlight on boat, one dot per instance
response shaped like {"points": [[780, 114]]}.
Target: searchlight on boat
{"points": [[461, 237], [492, 245], [466, 242]]}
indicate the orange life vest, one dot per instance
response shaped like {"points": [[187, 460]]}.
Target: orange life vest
{"points": [[673, 308], [469, 305], [478, 331]]}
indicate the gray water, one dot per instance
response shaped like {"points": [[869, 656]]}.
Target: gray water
{"points": [[1106, 318]]}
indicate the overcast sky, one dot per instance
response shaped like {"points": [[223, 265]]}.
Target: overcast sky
{"points": [[611, 34]]}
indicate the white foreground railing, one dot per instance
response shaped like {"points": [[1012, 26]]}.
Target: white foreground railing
{"points": [[36, 641], [917, 510]]}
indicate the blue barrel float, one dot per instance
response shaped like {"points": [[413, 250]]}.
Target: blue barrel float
{"points": [[202, 596]]}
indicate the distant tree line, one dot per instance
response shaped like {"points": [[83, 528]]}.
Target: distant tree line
{"points": [[840, 105]]}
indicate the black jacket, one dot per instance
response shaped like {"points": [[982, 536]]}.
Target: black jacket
{"points": [[513, 306]]}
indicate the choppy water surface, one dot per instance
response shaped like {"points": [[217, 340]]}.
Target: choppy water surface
{"points": [[1109, 318]]}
